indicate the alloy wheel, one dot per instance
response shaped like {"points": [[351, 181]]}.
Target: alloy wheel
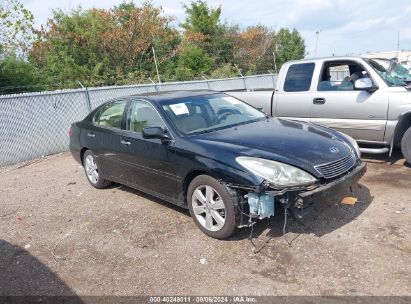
{"points": [[208, 207], [91, 169]]}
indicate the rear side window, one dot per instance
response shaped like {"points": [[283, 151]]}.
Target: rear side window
{"points": [[299, 77], [111, 115]]}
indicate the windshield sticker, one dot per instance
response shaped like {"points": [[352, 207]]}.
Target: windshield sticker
{"points": [[179, 108], [231, 100]]}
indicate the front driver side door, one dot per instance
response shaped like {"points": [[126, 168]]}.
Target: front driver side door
{"points": [[337, 105], [150, 165]]}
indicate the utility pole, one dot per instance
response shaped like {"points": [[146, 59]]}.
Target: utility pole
{"points": [[398, 47], [155, 62], [316, 43]]}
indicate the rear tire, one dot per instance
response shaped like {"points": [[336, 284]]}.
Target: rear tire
{"points": [[406, 145], [91, 168], [211, 207]]}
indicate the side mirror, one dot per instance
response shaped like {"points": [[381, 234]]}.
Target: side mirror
{"points": [[155, 132], [365, 84]]}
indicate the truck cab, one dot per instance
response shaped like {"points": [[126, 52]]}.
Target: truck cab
{"points": [[354, 95], [323, 92]]}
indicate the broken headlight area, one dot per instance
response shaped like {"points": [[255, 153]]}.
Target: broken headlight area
{"points": [[260, 202], [254, 206]]}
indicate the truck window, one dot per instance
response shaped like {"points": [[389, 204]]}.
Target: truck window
{"points": [[340, 76], [298, 78]]}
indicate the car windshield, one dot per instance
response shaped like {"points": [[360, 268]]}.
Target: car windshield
{"points": [[207, 113], [394, 74]]}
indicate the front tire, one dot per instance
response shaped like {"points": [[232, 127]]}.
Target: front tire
{"points": [[406, 145], [91, 168], [211, 207]]}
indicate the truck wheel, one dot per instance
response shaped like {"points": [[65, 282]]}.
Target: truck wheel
{"points": [[406, 145], [211, 207]]}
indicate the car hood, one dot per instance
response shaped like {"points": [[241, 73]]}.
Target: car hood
{"points": [[300, 144]]}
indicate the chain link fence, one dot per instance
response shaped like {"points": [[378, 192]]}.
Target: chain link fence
{"points": [[33, 125]]}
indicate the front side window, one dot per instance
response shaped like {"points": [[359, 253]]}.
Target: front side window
{"points": [[111, 115], [340, 76], [206, 113], [141, 114], [299, 77]]}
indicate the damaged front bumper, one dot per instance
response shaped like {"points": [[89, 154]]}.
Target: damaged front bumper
{"points": [[336, 186], [295, 199]]}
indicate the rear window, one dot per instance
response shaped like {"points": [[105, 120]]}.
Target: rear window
{"points": [[299, 77]]}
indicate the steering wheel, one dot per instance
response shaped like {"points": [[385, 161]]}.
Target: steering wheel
{"points": [[224, 112]]}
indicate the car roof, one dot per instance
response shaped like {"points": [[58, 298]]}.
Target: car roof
{"points": [[170, 95]]}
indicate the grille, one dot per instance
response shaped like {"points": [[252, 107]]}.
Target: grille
{"points": [[338, 167]]}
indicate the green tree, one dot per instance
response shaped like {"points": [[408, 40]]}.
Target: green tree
{"points": [[289, 45], [204, 29], [201, 19], [104, 47], [193, 61], [224, 71], [115, 46], [16, 25], [18, 75]]}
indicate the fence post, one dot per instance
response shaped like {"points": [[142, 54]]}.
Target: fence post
{"points": [[206, 80], [242, 76], [88, 103], [154, 84]]}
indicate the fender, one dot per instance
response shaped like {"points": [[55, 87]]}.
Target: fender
{"points": [[404, 121]]}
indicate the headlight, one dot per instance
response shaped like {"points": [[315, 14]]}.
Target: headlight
{"points": [[278, 174], [353, 143]]}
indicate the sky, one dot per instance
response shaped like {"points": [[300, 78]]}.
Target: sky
{"points": [[344, 26]]}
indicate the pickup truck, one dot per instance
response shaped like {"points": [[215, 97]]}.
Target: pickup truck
{"points": [[365, 100]]}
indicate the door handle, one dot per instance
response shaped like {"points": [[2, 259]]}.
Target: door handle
{"points": [[125, 142], [319, 100], [91, 134]]}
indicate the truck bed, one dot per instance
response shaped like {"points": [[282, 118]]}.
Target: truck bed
{"points": [[258, 99]]}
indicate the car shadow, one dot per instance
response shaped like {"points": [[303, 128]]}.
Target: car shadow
{"points": [[326, 215], [150, 198], [25, 277], [396, 158]]}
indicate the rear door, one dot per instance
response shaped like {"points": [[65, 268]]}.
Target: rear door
{"points": [[293, 98], [104, 139], [337, 105]]}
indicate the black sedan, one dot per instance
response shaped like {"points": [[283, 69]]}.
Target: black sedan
{"points": [[225, 161]]}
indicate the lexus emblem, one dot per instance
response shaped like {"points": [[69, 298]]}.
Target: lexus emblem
{"points": [[334, 150]]}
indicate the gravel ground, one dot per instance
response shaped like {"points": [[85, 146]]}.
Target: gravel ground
{"points": [[58, 235]]}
